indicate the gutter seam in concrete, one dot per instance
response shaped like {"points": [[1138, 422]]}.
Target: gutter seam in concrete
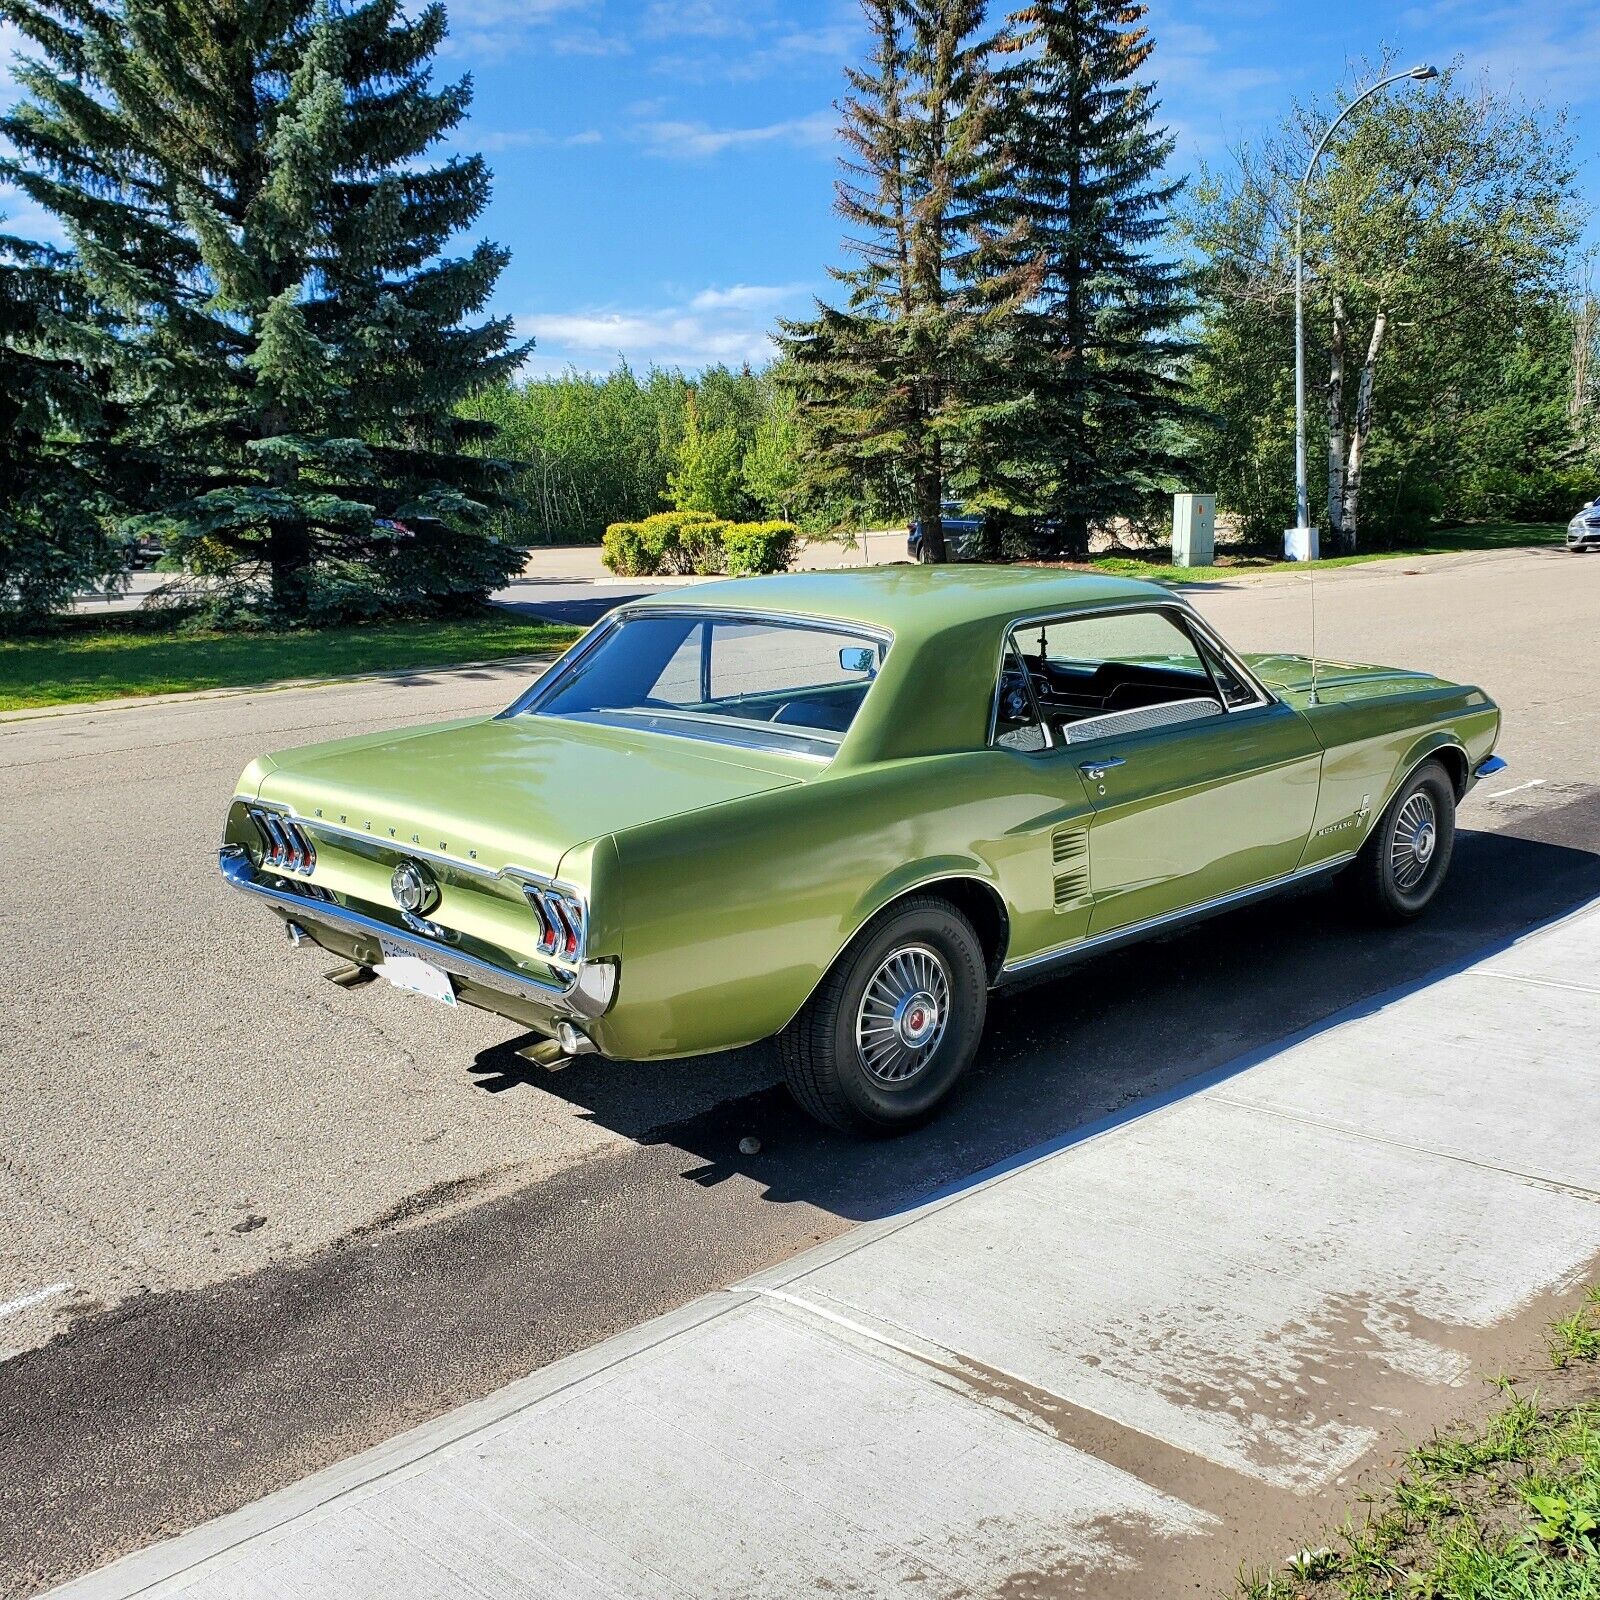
{"points": [[1555, 1184]]}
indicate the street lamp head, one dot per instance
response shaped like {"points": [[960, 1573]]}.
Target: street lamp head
{"points": [[1423, 74]]}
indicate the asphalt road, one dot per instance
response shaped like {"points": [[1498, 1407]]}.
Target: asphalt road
{"points": [[561, 600], [268, 1221]]}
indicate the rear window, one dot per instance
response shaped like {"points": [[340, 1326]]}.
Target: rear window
{"points": [[756, 682]]}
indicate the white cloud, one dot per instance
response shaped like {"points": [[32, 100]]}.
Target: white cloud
{"points": [[740, 40], [22, 218], [11, 41], [699, 19], [731, 325], [695, 141], [746, 296], [1204, 100], [590, 42], [491, 141], [1550, 55], [490, 28]]}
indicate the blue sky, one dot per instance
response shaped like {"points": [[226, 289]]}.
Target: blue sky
{"points": [[664, 167]]}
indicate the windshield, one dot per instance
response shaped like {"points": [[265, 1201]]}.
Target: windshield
{"points": [[766, 682]]}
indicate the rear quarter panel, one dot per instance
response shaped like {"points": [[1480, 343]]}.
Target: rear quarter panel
{"points": [[732, 916]]}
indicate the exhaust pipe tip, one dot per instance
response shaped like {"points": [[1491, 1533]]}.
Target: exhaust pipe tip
{"points": [[574, 1040]]}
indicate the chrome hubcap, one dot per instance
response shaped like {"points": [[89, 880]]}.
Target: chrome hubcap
{"points": [[1416, 836], [903, 1014]]}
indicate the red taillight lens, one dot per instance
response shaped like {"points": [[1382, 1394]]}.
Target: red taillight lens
{"points": [[560, 919], [285, 845]]}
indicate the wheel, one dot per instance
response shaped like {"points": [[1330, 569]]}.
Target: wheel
{"points": [[924, 555], [1407, 855], [893, 1025]]}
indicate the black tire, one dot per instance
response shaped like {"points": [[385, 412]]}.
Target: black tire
{"points": [[1382, 877], [827, 1069]]}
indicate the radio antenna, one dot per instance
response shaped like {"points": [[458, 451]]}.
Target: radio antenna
{"points": [[1311, 573]]}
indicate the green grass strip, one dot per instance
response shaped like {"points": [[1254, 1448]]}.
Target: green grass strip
{"points": [[112, 657]]}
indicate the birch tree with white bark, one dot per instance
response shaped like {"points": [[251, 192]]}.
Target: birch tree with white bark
{"points": [[1433, 216]]}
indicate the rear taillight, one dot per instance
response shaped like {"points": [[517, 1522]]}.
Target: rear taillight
{"points": [[560, 919], [285, 845]]}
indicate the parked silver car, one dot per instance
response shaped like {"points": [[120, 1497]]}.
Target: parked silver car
{"points": [[1583, 532]]}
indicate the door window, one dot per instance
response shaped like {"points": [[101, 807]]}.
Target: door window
{"points": [[1079, 679]]}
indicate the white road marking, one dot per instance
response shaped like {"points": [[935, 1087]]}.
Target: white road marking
{"points": [[1500, 794], [24, 1301]]}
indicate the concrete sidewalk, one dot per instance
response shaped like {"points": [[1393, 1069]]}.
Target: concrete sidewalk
{"points": [[1085, 1373]]}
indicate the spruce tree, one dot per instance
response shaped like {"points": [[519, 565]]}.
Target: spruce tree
{"points": [[883, 379], [1081, 429], [246, 187], [53, 503]]}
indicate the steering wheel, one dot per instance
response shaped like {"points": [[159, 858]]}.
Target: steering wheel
{"points": [[1014, 706]]}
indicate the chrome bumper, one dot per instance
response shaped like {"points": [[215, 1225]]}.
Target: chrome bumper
{"points": [[1487, 768], [586, 993]]}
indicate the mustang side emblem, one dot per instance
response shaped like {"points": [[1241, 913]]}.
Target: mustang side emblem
{"points": [[414, 888], [1354, 820]]}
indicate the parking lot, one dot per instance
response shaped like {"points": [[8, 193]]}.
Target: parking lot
{"points": [[266, 1221]]}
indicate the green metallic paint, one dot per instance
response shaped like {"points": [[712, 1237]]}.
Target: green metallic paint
{"points": [[726, 882]]}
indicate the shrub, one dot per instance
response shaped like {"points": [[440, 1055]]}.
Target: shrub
{"points": [[622, 550], [1544, 494], [753, 547], [676, 543]]}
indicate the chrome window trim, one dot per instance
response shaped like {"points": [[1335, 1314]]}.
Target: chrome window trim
{"points": [[704, 721], [1072, 948], [560, 671], [1183, 617]]}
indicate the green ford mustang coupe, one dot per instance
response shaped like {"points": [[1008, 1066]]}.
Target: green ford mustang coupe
{"points": [[837, 809]]}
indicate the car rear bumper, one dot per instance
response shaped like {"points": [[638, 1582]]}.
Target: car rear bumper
{"points": [[582, 995]]}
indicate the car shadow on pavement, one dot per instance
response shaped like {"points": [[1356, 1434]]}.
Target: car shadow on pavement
{"points": [[1101, 1042]]}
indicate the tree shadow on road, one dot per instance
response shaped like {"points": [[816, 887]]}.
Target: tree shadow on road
{"points": [[1105, 1040]]}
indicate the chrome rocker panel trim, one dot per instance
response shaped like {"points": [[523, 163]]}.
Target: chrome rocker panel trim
{"points": [[587, 992], [1046, 961]]}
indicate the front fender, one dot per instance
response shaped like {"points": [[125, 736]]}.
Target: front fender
{"points": [[1430, 744]]}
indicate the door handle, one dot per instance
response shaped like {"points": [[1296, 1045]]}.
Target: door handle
{"points": [[1094, 771]]}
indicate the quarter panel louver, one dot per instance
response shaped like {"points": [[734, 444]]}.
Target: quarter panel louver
{"points": [[1069, 851]]}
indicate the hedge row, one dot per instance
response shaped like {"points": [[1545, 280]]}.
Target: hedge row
{"points": [[676, 543]]}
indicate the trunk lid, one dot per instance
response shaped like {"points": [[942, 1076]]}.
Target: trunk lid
{"points": [[512, 791]]}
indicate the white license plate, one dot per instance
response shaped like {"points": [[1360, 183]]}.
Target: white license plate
{"points": [[406, 971]]}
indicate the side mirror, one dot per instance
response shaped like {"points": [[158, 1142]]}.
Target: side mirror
{"points": [[858, 658]]}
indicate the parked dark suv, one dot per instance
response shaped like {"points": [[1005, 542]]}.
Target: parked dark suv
{"points": [[963, 534]]}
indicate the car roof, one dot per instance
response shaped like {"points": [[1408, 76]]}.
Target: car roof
{"points": [[912, 600]]}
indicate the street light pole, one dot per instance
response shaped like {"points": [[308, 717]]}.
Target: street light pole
{"points": [[1302, 506]]}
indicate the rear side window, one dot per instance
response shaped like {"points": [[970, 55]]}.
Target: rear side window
{"points": [[787, 685]]}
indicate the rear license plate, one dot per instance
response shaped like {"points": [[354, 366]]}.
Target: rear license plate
{"points": [[412, 973]]}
